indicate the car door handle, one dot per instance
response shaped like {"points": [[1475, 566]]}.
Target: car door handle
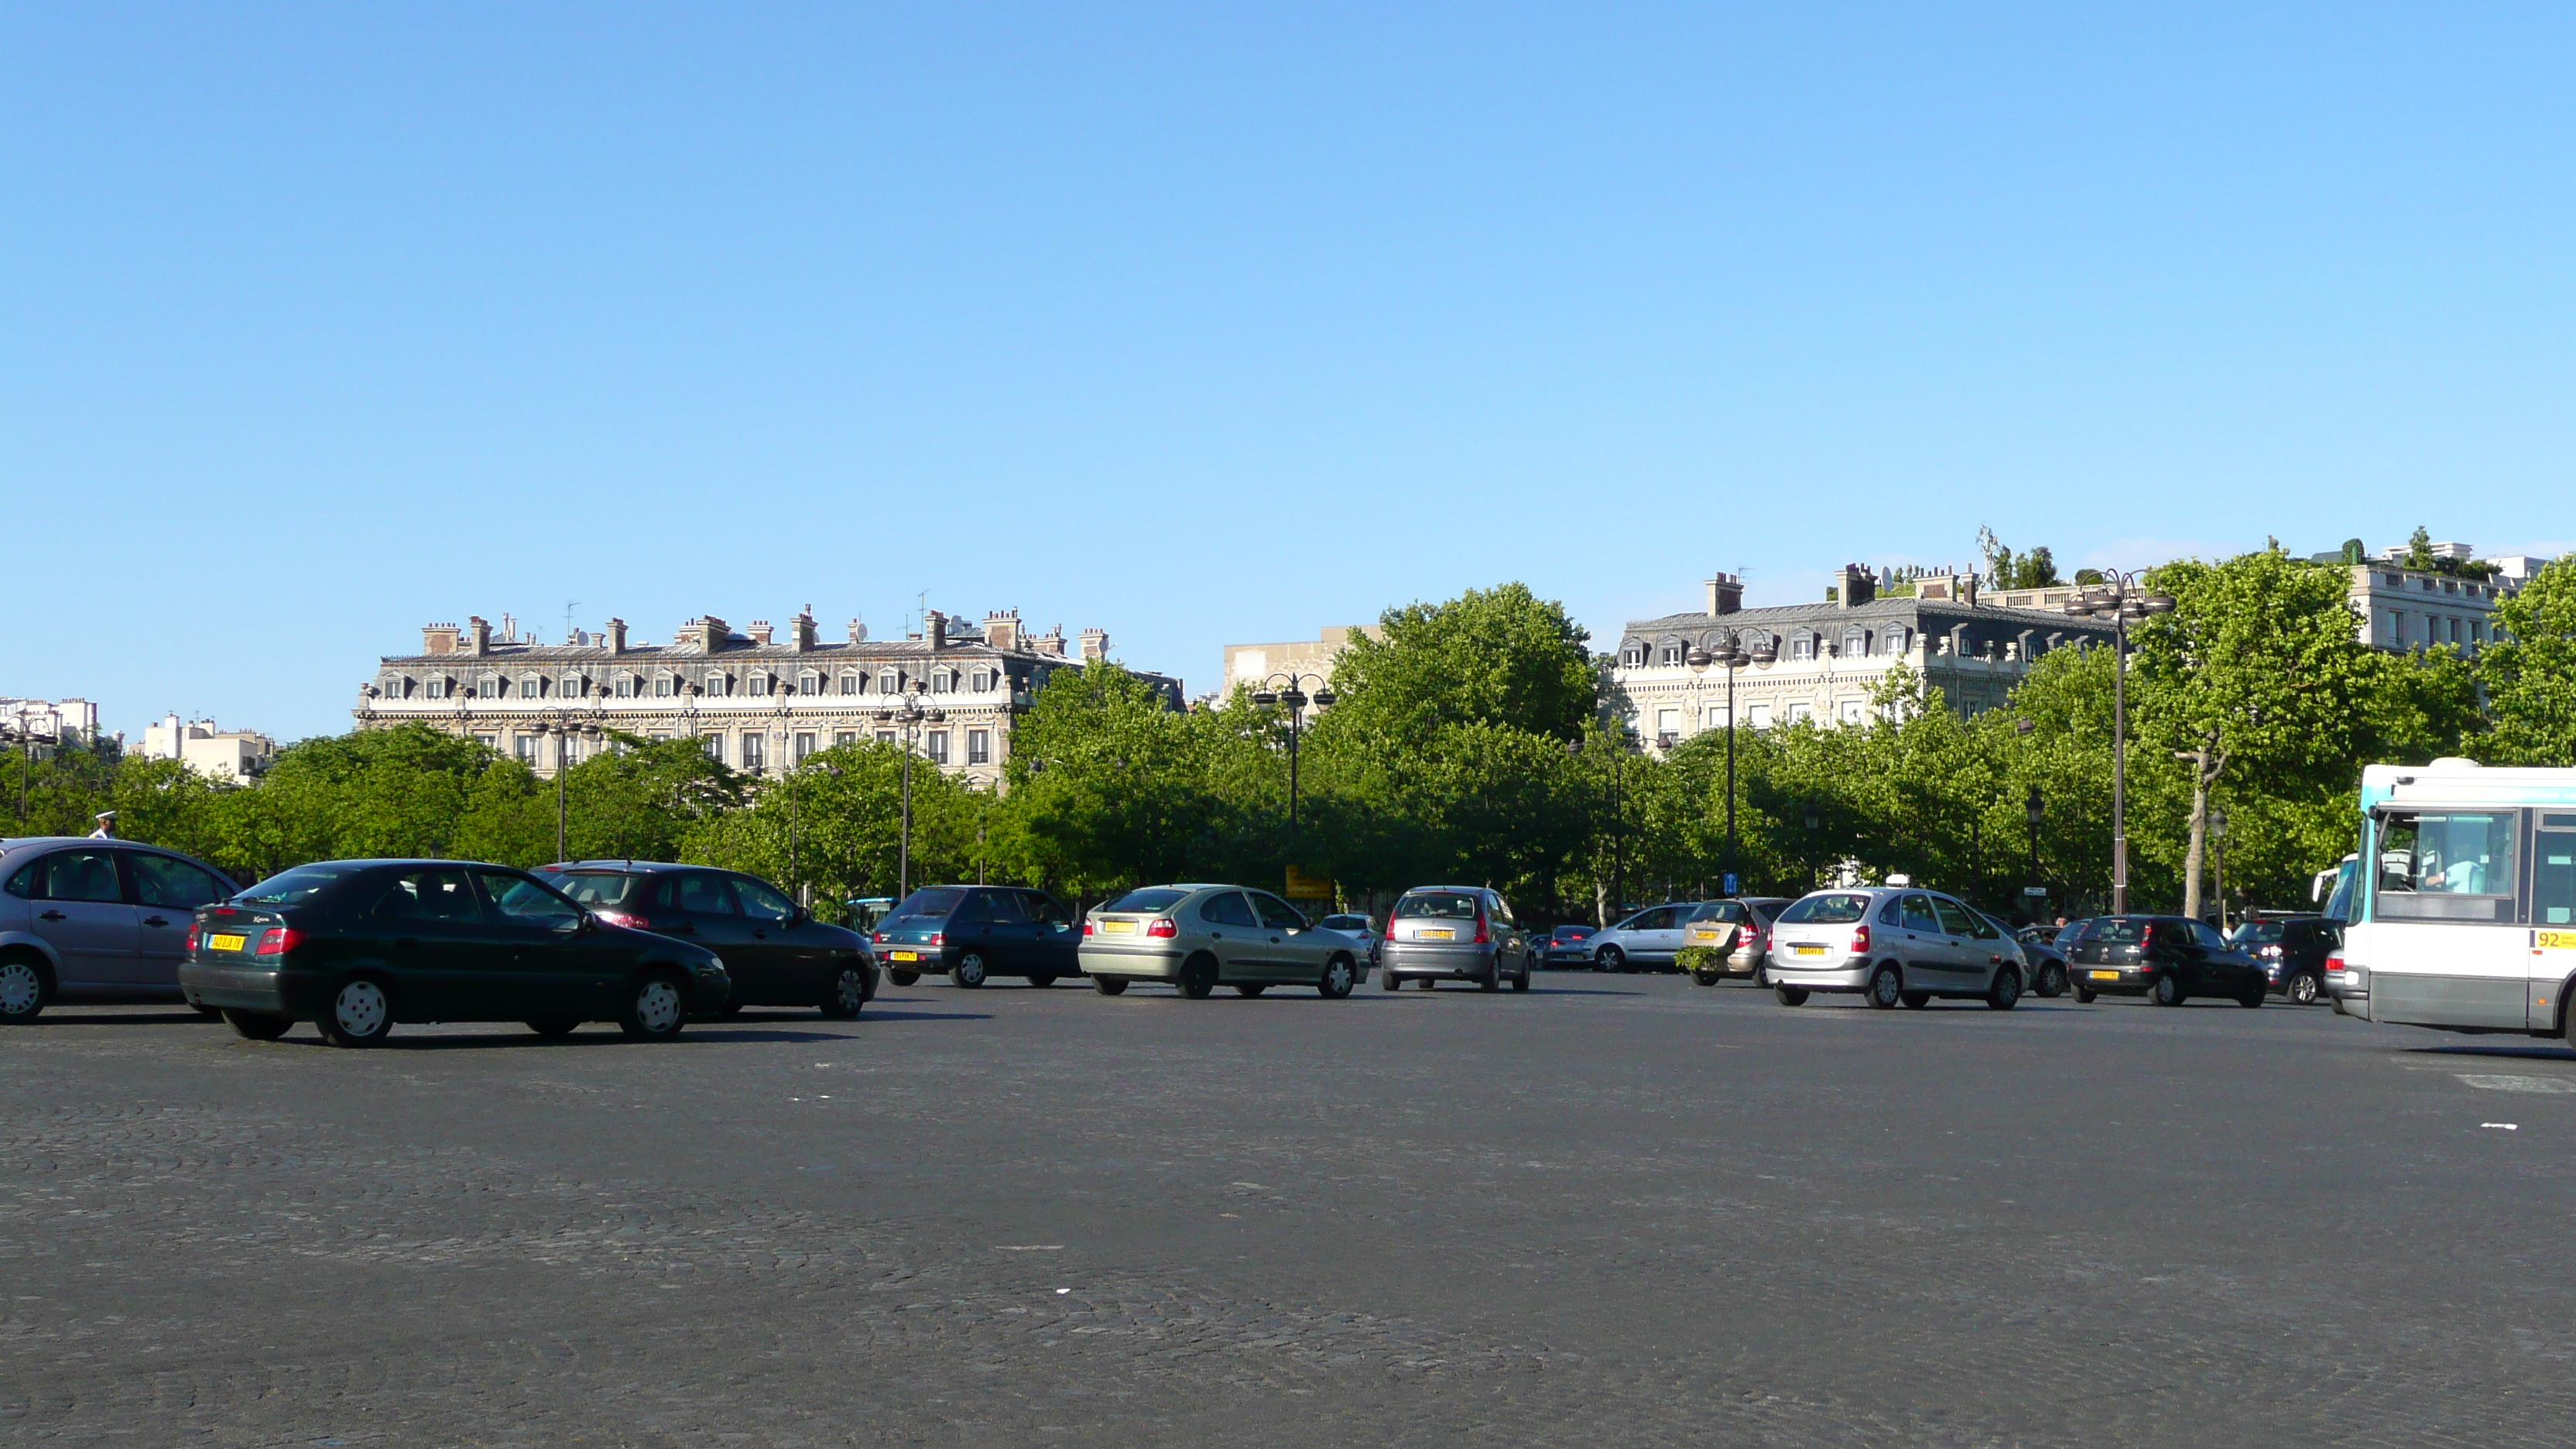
{"points": [[155, 921], [1216, 935], [682, 929], [50, 916], [1274, 940], [759, 935]]}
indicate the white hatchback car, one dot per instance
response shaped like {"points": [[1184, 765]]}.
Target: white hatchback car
{"points": [[1892, 944], [1200, 937]]}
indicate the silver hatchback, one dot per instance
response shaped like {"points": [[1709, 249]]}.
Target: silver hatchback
{"points": [[1455, 933], [1892, 944], [1200, 937]]}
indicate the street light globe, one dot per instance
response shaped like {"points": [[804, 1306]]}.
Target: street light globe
{"points": [[1324, 697], [1265, 696]]}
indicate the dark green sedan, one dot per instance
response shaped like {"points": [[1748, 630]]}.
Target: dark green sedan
{"points": [[355, 946]]}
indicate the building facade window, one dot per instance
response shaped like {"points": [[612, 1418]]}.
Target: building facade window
{"points": [[527, 747], [979, 747], [757, 684], [661, 686], [715, 748], [715, 682], [529, 687], [853, 683], [434, 687], [845, 737], [1803, 647], [488, 687], [804, 746], [885, 737], [889, 682], [1758, 717], [755, 751], [626, 686], [809, 683], [936, 742], [571, 687]]}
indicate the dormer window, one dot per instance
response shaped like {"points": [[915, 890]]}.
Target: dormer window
{"points": [[625, 686], [570, 687], [662, 686], [854, 683], [889, 682], [1855, 643], [434, 687], [488, 687], [715, 685], [809, 683]]}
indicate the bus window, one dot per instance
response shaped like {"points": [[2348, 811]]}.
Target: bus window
{"points": [[2553, 878], [2436, 865], [2347, 879]]}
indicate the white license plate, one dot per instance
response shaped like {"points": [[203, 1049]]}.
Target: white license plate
{"points": [[903, 955], [225, 943], [1439, 936], [1118, 928]]}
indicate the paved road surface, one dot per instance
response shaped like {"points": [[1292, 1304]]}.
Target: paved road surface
{"points": [[1619, 1210]]}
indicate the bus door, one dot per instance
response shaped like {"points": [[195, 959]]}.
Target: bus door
{"points": [[2553, 916], [2447, 943]]}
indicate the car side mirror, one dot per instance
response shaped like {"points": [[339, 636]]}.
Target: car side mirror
{"points": [[584, 923], [798, 915]]}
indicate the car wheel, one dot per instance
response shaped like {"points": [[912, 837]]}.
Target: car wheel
{"points": [[1790, 995], [1043, 979], [259, 1025], [25, 986], [1886, 986], [1390, 981], [1705, 977], [1492, 980], [656, 1008], [1521, 982], [1761, 976], [1252, 988], [2052, 981], [1611, 959], [1198, 977], [359, 1014], [554, 1026], [1109, 985], [968, 972], [2253, 996], [2167, 991], [901, 977], [2086, 996], [2302, 990], [2005, 993], [848, 995], [1917, 1000], [1336, 982]]}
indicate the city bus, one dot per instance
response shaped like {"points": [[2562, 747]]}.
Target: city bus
{"points": [[2469, 923]]}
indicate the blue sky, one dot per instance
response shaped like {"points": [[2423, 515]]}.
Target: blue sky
{"points": [[1206, 323]]}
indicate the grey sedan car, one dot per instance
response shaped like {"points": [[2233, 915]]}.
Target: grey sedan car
{"points": [[1455, 933], [1200, 937], [85, 919]]}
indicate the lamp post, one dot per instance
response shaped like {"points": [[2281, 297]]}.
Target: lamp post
{"points": [[1296, 698], [911, 715], [1622, 740], [1732, 656], [2122, 596], [563, 729], [2031, 811], [2218, 832]]}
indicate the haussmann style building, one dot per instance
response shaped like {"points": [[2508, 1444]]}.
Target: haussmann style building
{"points": [[1835, 654], [759, 702]]}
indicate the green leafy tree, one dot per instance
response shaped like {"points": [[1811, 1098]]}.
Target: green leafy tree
{"points": [[2530, 671], [833, 830]]}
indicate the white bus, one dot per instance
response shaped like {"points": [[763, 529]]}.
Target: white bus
{"points": [[2469, 924]]}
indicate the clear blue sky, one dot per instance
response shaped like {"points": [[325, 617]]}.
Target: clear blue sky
{"points": [[1206, 323]]}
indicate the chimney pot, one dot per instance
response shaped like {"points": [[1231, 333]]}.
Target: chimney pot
{"points": [[934, 628], [1725, 594]]}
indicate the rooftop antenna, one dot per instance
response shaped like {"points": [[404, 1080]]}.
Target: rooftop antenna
{"points": [[569, 606]]}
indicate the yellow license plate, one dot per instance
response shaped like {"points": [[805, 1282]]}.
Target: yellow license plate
{"points": [[1440, 935], [1808, 950], [1703, 935], [2106, 975], [903, 955], [2558, 940], [1118, 928], [225, 943]]}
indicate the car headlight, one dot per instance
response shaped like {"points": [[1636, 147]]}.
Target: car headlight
{"points": [[715, 966]]}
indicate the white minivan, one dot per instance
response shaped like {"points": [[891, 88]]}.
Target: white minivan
{"points": [[1893, 944]]}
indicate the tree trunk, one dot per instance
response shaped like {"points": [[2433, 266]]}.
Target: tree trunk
{"points": [[2206, 762]]}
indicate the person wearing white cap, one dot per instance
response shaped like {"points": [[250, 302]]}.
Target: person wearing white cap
{"points": [[106, 826]]}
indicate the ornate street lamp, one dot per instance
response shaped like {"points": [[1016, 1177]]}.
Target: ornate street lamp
{"points": [[911, 715], [1732, 656], [2121, 597], [1623, 741], [564, 731], [1296, 699]]}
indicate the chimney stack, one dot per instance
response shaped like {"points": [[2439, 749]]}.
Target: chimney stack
{"points": [[478, 635], [438, 639], [616, 636], [934, 628], [858, 632], [760, 632], [1725, 594], [1859, 586], [801, 629], [1095, 645], [1002, 630]]}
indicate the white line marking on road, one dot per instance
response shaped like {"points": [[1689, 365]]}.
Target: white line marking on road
{"points": [[1028, 1247], [2502, 1126], [2486, 1083]]}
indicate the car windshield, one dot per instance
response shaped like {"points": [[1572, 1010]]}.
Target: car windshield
{"points": [[934, 902], [2260, 932], [1833, 908], [594, 887], [1147, 901], [2121, 930], [1720, 911], [297, 886], [1442, 906]]}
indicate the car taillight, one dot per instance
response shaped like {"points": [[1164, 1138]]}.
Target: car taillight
{"points": [[939, 938], [1860, 940], [278, 940], [2146, 938], [879, 938], [1390, 928], [1483, 936], [192, 940], [627, 919], [2335, 962], [1086, 927], [1162, 928]]}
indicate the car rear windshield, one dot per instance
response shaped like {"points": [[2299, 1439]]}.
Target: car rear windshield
{"points": [[298, 886], [933, 901], [2261, 932], [1770, 910], [1440, 906], [1147, 901], [1720, 911], [2122, 930], [594, 887], [1837, 908], [1572, 933]]}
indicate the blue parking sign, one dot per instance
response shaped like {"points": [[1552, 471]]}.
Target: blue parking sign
{"points": [[1731, 886]]}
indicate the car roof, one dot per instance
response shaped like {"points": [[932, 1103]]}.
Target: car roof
{"points": [[636, 867]]}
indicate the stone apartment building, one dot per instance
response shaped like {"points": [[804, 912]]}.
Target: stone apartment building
{"points": [[1251, 665], [760, 702], [211, 752], [1835, 654]]}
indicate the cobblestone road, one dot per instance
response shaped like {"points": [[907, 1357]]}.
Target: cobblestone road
{"points": [[1619, 1210]]}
